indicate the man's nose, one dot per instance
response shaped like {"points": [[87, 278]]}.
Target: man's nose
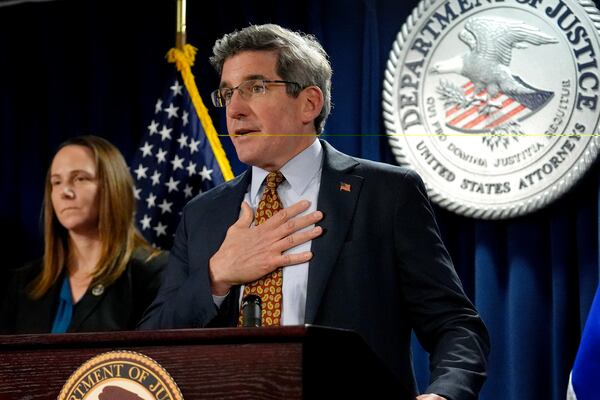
{"points": [[237, 107]]}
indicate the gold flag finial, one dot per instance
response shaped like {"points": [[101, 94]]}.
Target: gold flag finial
{"points": [[181, 26]]}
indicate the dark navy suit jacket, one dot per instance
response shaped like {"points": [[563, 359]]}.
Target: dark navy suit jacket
{"points": [[380, 269]]}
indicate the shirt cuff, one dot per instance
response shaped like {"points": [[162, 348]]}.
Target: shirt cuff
{"points": [[218, 300]]}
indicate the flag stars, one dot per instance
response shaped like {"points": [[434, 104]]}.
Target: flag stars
{"points": [[205, 173], [155, 178], [172, 185], [165, 206], [177, 163], [158, 106], [182, 141], [172, 111], [176, 88], [151, 200], [153, 127], [191, 168], [188, 191], [194, 144], [145, 222], [140, 172], [167, 148], [146, 149], [160, 229], [165, 133], [161, 156]]}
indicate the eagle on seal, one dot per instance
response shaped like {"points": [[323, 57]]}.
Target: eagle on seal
{"points": [[487, 64]]}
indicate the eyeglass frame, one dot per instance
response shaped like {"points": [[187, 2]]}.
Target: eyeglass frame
{"points": [[220, 102]]}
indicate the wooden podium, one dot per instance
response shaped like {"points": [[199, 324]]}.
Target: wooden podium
{"points": [[298, 362]]}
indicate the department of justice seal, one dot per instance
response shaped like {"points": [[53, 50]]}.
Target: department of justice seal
{"points": [[495, 102], [120, 375]]}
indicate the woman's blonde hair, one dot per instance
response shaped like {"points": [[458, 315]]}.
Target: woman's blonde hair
{"points": [[116, 214]]}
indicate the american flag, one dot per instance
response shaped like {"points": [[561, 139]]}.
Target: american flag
{"points": [[174, 163], [346, 187]]}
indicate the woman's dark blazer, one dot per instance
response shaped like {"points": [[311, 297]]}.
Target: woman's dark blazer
{"points": [[117, 307]]}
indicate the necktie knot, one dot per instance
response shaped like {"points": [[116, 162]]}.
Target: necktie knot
{"points": [[269, 203], [274, 179]]}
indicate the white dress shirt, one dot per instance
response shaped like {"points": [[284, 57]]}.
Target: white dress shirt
{"points": [[302, 181]]}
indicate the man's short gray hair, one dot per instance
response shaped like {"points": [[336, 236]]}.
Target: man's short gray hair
{"points": [[301, 59]]}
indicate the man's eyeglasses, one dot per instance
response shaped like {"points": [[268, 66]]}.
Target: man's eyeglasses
{"points": [[248, 89]]}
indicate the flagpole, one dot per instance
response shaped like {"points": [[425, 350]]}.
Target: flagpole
{"points": [[183, 55], [181, 25]]}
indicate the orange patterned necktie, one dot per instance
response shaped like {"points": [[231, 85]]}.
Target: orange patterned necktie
{"points": [[268, 288]]}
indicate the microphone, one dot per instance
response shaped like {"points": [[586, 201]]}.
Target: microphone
{"points": [[252, 311]]}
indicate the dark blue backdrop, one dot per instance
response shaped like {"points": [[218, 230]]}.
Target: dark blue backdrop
{"points": [[70, 67]]}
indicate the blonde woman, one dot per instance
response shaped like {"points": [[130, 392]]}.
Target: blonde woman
{"points": [[97, 273]]}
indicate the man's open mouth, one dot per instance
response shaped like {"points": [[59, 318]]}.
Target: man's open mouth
{"points": [[242, 132]]}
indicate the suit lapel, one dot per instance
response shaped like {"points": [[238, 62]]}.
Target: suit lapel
{"points": [[338, 195], [86, 305], [226, 213], [218, 222]]}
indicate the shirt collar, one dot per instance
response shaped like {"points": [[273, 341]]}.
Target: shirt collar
{"points": [[298, 171]]}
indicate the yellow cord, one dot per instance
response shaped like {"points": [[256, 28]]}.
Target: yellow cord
{"points": [[184, 59]]}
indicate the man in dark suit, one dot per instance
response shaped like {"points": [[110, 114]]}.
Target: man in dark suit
{"points": [[358, 240]]}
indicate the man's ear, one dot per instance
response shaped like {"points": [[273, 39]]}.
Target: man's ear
{"points": [[312, 103]]}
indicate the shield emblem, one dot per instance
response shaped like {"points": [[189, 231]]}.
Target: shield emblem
{"points": [[483, 113]]}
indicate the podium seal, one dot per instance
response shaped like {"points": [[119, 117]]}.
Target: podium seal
{"points": [[120, 375], [495, 103]]}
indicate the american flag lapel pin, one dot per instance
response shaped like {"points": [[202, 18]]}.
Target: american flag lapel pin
{"points": [[346, 187]]}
